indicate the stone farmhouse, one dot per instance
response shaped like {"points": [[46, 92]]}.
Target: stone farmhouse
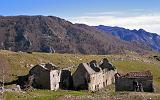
{"points": [[92, 76], [134, 81], [48, 76]]}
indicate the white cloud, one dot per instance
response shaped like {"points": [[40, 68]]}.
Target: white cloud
{"points": [[149, 22]]}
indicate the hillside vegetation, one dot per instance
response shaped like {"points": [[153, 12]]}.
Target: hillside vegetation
{"points": [[50, 34]]}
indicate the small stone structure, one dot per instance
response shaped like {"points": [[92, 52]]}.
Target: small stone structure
{"points": [[92, 76], [134, 81], [48, 76]]}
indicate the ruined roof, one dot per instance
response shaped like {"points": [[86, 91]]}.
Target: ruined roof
{"points": [[107, 65], [93, 64], [88, 68], [137, 74], [92, 67], [48, 66]]}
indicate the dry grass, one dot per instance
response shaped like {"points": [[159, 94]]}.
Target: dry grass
{"points": [[19, 64]]}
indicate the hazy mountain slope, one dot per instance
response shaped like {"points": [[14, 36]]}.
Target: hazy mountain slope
{"points": [[141, 37], [48, 33]]}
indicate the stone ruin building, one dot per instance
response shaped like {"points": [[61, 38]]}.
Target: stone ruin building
{"points": [[46, 76], [134, 81], [92, 76]]}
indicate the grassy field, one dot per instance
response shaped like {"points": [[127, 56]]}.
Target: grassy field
{"points": [[105, 94], [19, 63], [41, 95]]}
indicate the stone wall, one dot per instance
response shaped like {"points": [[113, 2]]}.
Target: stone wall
{"points": [[66, 80], [101, 79], [41, 78], [97, 81], [54, 79], [126, 84], [80, 79], [110, 76]]}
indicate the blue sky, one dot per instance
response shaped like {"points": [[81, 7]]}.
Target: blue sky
{"points": [[140, 13], [65, 8]]}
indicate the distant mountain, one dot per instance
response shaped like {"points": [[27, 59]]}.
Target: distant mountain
{"points": [[140, 37], [49, 34]]}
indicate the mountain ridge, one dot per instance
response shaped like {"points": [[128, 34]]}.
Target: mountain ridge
{"points": [[140, 37], [50, 34]]}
